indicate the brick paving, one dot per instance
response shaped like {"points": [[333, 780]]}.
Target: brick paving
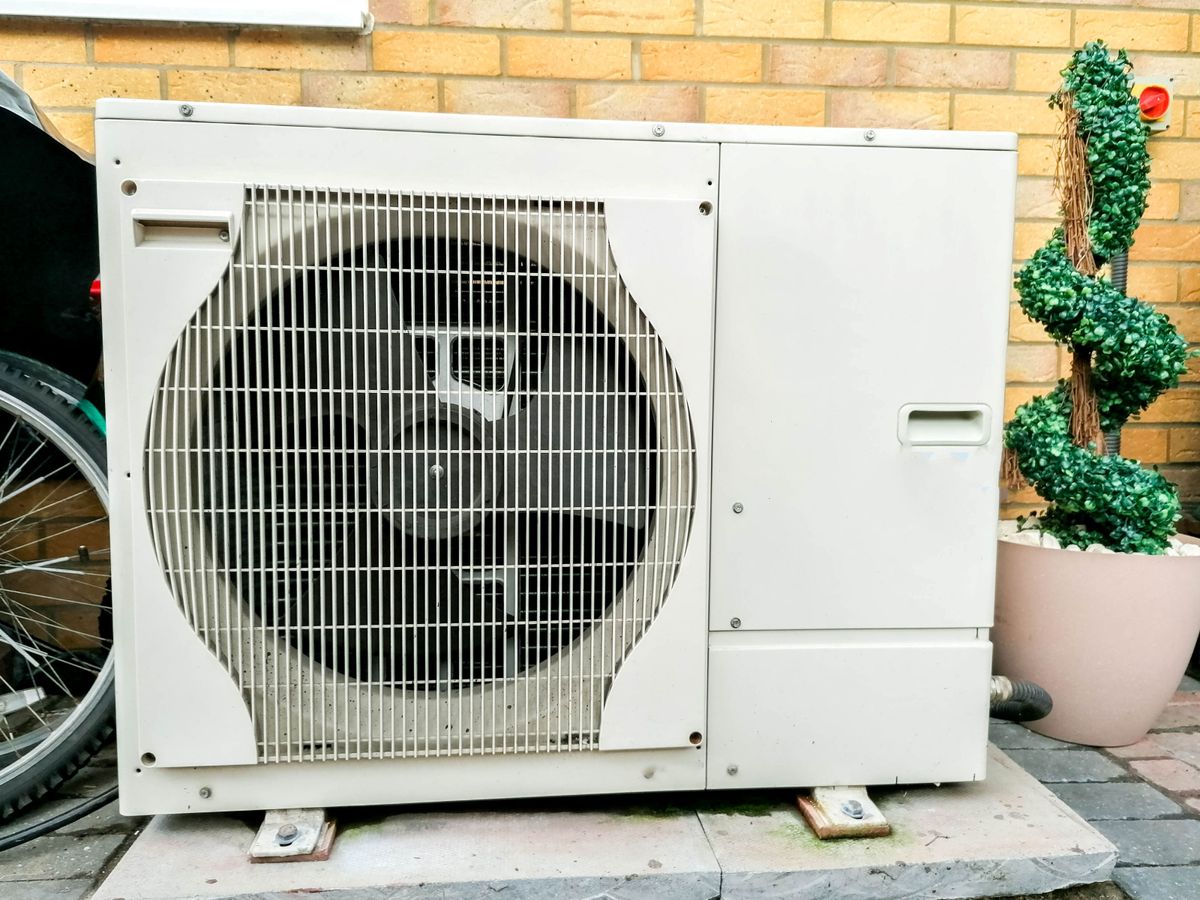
{"points": [[1144, 798]]}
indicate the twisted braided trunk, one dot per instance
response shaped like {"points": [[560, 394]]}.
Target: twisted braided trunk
{"points": [[1124, 353]]}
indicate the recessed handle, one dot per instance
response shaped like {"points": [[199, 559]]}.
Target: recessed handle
{"points": [[181, 226], [944, 424]]}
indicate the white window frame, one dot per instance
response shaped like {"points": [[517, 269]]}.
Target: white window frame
{"points": [[308, 13]]}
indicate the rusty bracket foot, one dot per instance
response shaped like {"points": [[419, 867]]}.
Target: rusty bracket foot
{"points": [[293, 835], [842, 812]]}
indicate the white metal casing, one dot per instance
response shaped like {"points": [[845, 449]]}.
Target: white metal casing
{"points": [[860, 296]]}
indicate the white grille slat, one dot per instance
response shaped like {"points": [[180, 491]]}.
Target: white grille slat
{"points": [[420, 473]]}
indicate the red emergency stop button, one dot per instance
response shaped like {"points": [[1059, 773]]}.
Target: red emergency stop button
{"points": [[1153, 102]]}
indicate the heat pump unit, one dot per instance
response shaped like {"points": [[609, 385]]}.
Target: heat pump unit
{"points": [[462, 457]]}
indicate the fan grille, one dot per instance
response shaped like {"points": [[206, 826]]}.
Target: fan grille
{"points": [[419, 472]]}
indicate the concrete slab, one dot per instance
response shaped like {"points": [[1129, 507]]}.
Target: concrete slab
{"points": [[1006, 836]]}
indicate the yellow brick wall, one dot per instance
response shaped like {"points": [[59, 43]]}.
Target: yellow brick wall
{"points": [[986, 64]]}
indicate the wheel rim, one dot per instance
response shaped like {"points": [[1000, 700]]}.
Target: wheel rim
{"points": [[47, 596]]}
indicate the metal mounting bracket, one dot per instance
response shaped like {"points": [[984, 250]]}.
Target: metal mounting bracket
{"points": [[842, 812], [293, 835]]}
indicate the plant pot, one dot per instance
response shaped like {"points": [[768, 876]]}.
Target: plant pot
{"points": [[1109, 635]]}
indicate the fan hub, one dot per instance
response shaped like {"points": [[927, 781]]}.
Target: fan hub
{"points": [[444, 483]]}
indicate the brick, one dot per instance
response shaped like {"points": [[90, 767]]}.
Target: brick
{"points": [[1041, 72], [869, 20], [1112, 802], [1147, 445], [1189, 284], [1155, 843], [1157, 241], [532, 14], [1186, 479], [1184, 747], [401, 12], [42, 42], [569, 57], [1185, 444], [1012, 736], [1145, 748], [1028, 236], [371, 91], [1182, 715], [161, 45], [765, 106], [881, 109], [1036, 199], [928, 67], [82, 85], [1023, 328], [642, 102], [1032, 362], [1161, 31], [76, 127], [1179, 405], [810, 65], [1155, 284], [1002, 112], [660, 17], [1184, 69], [1157, 882], [508, 98], [1036, 156], [765, 18], [1018, 396], [1016, 27], [1186, 319], [257, 49], [1174, 159], [701, 61], [1061, 766], [445, 52], [1163, 200], [235, 86]]}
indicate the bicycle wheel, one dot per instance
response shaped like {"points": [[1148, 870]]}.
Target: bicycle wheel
{"points": [[56, 681]]}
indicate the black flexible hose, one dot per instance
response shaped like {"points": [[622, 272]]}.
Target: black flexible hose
{"points": [[1028, 703], [66, 817]]}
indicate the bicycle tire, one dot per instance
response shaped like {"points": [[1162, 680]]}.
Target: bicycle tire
{"points": [[76, 740]]}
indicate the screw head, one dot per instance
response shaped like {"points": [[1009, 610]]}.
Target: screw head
{"points": [[735, 622], [869, 134], [737, 508], [731, 769], [659, 130], [186, 110], [223, 234], [286, 834], [648, 773], [853, 809], [205, 793]]}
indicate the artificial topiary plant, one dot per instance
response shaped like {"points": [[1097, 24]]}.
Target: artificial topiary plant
{"points": [[1124, 353]]}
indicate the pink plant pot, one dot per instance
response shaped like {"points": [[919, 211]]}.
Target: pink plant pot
{"points": [[1109, 635]]}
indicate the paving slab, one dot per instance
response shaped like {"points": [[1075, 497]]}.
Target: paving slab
{"points": [[74, 889], [1159, 882], [1163, 843], [1059, 766], [57, 856], [1108, 800], [1012, 736], [1004, 836]]}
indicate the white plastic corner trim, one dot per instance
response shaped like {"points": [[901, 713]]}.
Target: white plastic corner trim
{"points": [[311, 13]]}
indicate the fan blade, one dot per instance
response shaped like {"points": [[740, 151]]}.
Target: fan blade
{"points": [[579, 446]]}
